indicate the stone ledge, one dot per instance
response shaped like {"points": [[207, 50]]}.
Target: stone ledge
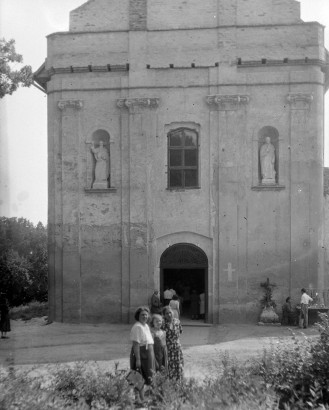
{"points": [[274, 187], [100, 191]]}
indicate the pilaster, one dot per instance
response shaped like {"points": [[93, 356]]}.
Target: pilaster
{"points": [[68, 172], [138, 133], [303, 254], [227, 126]]}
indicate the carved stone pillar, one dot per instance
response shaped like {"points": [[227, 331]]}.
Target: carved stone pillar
{"points": [[138, 133], [227, 128], [67, 254], [304, 186]]}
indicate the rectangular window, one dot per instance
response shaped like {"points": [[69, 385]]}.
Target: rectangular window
{"points": [[183, 159]]}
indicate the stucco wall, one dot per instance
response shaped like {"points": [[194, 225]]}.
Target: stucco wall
{"points": [[105, 247]]}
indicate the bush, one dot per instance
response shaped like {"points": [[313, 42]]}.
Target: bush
{"points": [[29, 311], [23, 261], [299, 371], [95, 388]]}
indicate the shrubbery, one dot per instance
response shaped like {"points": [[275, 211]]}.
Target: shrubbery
{"points": [[29, 311], [293, 375], [23, 261]]}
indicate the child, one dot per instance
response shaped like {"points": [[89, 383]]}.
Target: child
{"points": [[160, 348]]}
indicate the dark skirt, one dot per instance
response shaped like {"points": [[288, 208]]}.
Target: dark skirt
{"points": [[161, 356], [5, 322], [147, 362]]}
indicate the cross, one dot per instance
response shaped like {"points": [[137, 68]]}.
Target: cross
{"points": [[229, 271]]}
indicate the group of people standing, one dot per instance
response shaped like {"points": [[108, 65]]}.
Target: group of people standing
{"points": [[193, 302], [156, 345]]}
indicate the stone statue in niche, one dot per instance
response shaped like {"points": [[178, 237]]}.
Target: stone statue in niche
{"points": [[267, 161], [102, 166]]}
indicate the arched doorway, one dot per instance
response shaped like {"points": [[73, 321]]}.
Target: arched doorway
{"points": [[184, 268]]}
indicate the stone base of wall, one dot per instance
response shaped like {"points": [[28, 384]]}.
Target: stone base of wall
{"points": [[236, 313]]}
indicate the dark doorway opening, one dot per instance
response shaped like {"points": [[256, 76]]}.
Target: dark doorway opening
{"points": [[187, 282], [184, 268]]}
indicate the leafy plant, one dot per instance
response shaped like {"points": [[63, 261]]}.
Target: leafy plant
{"points": [[267, 299]]}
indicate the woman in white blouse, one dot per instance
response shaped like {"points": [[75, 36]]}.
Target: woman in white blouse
{"points": [[142, 352]]}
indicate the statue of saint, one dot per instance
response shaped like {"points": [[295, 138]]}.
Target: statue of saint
{"points": [[102, 167], [267, 160]]}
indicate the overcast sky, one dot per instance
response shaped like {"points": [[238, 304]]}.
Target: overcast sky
{"points": [[23, 116]]}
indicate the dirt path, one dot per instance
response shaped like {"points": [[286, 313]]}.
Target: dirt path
{"points": [[36, 345]]}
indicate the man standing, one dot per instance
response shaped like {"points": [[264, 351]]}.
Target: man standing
{"points": [[304, 301], [156, 306], [167, 296]]}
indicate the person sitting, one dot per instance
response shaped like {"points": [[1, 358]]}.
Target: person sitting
{"points": [[287, 313]]}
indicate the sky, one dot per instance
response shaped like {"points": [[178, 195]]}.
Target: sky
{"points": [[23, 115]]}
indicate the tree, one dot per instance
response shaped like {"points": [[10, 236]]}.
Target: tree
{"points": [[11, 76], [23, 260]]}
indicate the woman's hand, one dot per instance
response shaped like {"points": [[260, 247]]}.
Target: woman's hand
{"points": [[138, 364]]}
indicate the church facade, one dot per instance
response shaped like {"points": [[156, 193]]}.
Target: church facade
{"points": [[185, 150]]}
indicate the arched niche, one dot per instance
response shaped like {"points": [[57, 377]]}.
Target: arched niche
{"points": [[101, 135], [273, 134]]}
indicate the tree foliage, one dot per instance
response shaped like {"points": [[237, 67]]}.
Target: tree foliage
{"points": [[11, 74], [23, 260]]}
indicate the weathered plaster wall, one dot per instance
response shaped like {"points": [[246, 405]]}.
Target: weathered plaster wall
{"points": [[105, 248]]}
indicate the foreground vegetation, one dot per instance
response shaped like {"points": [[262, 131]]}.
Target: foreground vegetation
{"points": [[291, 375]]}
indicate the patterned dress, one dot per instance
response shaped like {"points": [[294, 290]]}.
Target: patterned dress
{"points": [[175, 354]]}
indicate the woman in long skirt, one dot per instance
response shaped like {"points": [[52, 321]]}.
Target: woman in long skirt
{"points": [[4, 317], [173, 329]]}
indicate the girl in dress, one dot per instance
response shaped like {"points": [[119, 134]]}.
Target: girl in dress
{"points": [[160, 347], [173, 329]]}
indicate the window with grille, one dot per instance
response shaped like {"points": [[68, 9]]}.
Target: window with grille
{"points": [[183, 159]]}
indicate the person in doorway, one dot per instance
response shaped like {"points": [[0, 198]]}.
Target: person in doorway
{"points": [[202, 305], [173, 329], [142, 351], [156, 306], [175, 306], [304, 302], [160, 347], [167, 296], [4, 316], [195, 305], [287, 313]]}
